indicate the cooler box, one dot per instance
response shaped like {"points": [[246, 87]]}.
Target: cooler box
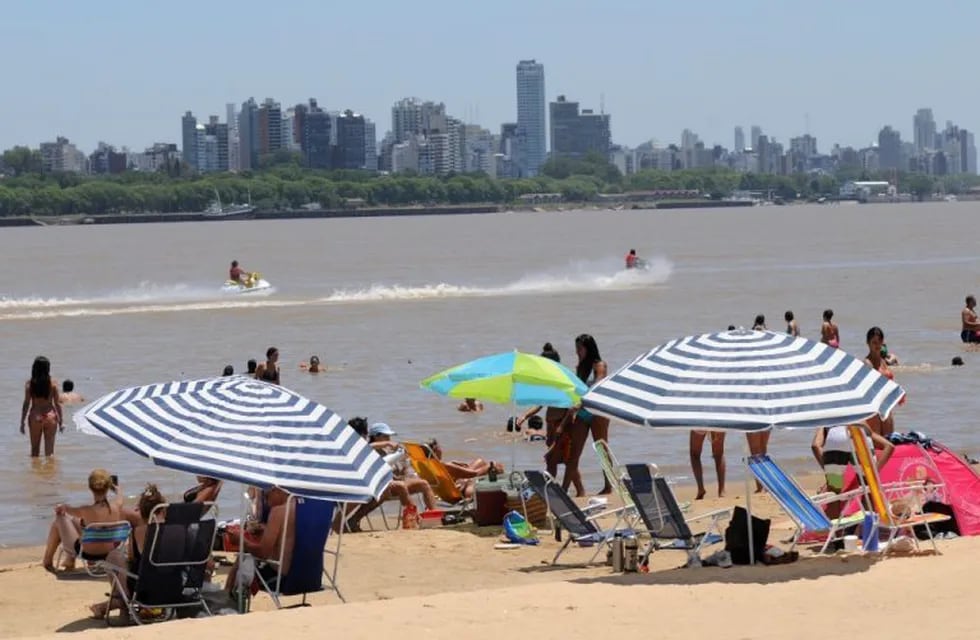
{"points": [[491, 504]]}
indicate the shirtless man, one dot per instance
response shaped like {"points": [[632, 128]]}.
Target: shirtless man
{"points": [[970, 329], [265, 546], [68, 394], [235, 272]]}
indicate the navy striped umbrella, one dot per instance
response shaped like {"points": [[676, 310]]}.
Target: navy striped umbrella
{"points": [[744, 381], [241, 429]]}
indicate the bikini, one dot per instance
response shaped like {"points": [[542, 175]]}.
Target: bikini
{"points": [[270, 375]]}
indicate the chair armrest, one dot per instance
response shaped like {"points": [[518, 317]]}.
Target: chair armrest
{"points": [[717, 513], [608, 512], [824, 498]]}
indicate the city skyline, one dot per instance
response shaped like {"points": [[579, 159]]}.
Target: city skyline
{"points": [[672, 68]]}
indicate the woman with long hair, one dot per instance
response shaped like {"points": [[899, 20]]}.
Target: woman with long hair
{"points": [[877, 360], [580, 422], [41, 411], [269, 370]]}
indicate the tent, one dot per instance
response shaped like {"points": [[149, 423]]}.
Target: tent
{"points": [[933, 462]]}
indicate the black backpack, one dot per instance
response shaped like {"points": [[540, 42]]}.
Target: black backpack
{"points": [[737, 536]]}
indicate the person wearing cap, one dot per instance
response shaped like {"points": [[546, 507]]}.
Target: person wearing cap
{"points": [[379, 437]]}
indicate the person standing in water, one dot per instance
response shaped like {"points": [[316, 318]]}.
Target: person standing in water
{"points": [[760, 323], [268, 371], [970, 324], [829, 333], [792, 328], [41, 411], [580, 422]]}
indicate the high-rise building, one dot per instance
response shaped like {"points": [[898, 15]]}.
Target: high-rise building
{"points": [[61, 156], [531, 126], [106, 160], [889, 149], [478, 152], [234, 152], [248, 135], [574, 133], [316, 134], [411, 116], [349, 152], [739, 140], [219, 130], [756, 133], [270, 127], [370, 145], [924, 127], [188, 128]]}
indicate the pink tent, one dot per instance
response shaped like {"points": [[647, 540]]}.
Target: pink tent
{"points": [[935, 463]]}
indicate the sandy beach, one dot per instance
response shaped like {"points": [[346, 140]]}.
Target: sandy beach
{"points": [[451, 583]]}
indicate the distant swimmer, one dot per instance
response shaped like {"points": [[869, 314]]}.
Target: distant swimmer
{"points": [[470, 405], [69, 395], [970, 329]]}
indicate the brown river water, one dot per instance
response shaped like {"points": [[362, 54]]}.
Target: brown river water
{"points": [[386, 302]]}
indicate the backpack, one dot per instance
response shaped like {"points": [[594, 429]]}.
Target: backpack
{"points": [[737, 536]]}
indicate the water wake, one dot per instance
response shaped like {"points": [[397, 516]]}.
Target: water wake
{"points": [[583, 276]]}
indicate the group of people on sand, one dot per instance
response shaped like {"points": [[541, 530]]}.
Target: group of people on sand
{"points": [[107, 506]]}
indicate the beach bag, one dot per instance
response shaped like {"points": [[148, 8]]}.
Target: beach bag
{"points": [[517, 529], [737, 536]]}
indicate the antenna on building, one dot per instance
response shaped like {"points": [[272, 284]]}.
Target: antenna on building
{"points": [[602, 104]]}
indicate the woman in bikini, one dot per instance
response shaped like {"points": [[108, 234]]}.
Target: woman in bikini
{"points": [[557, 447], [41, 411], [66, 530], [875, 360], [829, 333], [580, 422], [268, 371]]}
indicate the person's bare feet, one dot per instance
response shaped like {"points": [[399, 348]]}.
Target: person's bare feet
{"points": [[700, 495]]}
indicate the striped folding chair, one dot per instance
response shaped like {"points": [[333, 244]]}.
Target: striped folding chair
{"points": [[803, 510], [893, 515], [100, 533]]}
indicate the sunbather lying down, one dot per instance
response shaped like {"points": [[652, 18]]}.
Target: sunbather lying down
{"points": [[465, 473]]}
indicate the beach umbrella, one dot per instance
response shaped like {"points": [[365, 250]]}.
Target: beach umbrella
{"points": [[744, 381], [511, 377], [240, 429]]}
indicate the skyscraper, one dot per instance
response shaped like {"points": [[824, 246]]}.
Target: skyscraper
{"points": [[248, 135], [531, 129], [739, 140], [188, 127], [756, 134], [924, 126], [574, 133], [349, 152], [889, 149]]}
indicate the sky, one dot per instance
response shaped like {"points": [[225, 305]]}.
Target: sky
{"points": [[125, 72]]}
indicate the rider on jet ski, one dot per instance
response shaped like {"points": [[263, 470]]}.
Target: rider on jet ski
{"points": [[632, 261], [235, 273]]}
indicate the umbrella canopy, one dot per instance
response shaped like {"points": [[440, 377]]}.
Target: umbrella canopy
{"points": [[744, 381], [512, 377], [241, 429]]}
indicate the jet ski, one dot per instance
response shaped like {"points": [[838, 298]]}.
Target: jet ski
{"points": [[253, 283], [639, 265]]}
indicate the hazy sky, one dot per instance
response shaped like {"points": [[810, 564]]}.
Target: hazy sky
{"points": [[125, 72]]}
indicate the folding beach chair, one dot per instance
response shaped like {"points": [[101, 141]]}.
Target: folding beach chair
{"points": [[565, 513], [307, 569], [173, 562], [662, 516], [894, 515], [433, 471], [114, 533], [614, 475], [804, 510]]}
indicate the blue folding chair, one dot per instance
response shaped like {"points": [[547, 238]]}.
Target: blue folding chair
{"points": [[307, 570], [803, 510]]}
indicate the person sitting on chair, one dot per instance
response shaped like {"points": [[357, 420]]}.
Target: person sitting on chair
{"points": [[464, 473], [267, 540]]}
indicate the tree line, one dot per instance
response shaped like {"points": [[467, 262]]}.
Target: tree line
{"points": [[25, 191]]}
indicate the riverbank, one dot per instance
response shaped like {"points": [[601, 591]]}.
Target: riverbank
{"points": [[437, 582]]}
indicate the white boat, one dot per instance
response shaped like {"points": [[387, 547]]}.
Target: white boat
{"points": [[253, 284], [217, 210]]}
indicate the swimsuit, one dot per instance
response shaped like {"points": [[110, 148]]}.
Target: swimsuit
{"points": [[270, 375], [969, 336], [836, 456]]}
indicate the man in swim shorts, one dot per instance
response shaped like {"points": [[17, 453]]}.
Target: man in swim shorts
{"points": [[970, 329], [235, 272]]}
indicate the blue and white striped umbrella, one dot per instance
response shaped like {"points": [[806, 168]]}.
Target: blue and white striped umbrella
{"points": [[241, 429], [744, 381]]}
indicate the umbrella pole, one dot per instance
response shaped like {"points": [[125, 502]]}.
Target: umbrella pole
{"points": [[748, 502]]}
